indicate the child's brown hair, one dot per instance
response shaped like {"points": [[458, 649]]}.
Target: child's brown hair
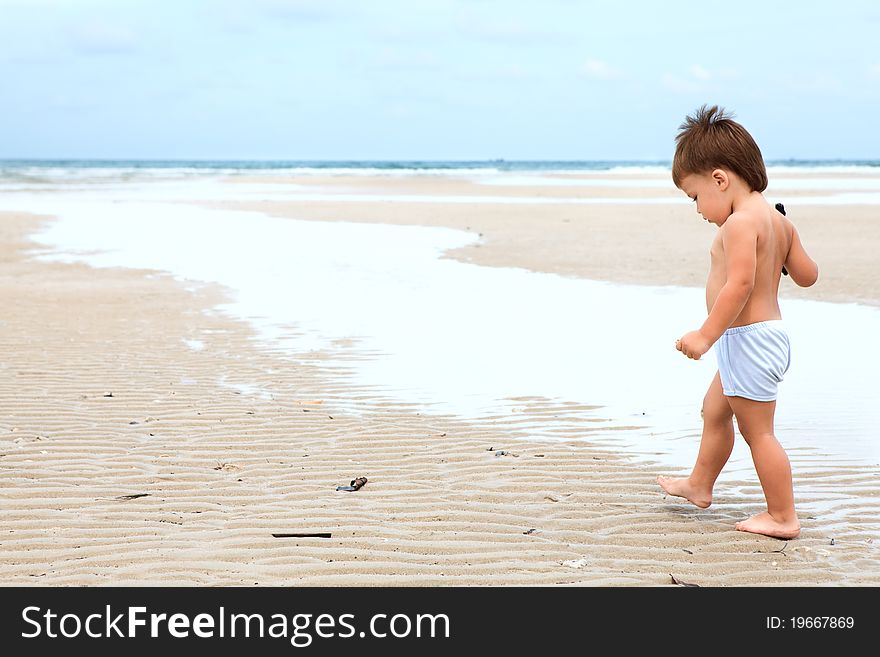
{"points": [[710, 139]]}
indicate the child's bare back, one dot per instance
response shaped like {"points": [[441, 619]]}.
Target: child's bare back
{"points": [[772, 245], [777, 245]]}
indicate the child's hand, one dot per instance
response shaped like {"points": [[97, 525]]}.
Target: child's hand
{"points": [[693, 344]]}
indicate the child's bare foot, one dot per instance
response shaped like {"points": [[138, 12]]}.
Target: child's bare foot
{"points": [[763, 523], [684, 488]]}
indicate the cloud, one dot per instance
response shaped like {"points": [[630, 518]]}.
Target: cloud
{"points": [[675, 83], [811, 82], [504, 30], [300, 10], [99, 37], [508, 31], [400, 110], [513, 72], [254, 16], [697, 78], [700, 73], [599, 70], [391, 58]]}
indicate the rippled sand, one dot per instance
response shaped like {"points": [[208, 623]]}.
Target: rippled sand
{"points": [[123, 383]]}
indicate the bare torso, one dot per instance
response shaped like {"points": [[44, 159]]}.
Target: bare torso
{"points": [[773, 243]]}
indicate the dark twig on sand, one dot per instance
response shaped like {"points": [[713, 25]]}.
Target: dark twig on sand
{"points": [[679, 582]]}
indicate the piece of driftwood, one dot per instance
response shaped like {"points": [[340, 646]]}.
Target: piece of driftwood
{"points": [[681, 583], [303, 535]]}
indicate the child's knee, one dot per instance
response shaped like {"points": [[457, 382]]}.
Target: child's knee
{"points": [[716, 411], [753, 437]]}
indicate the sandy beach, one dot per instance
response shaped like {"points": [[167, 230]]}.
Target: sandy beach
{"points": [[147, 438]]}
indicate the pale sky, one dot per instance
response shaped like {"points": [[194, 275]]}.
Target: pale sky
{"points": [[431, 79]]}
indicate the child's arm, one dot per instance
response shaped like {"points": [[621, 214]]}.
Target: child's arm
{"points": [[740, 241], [802, 268]]}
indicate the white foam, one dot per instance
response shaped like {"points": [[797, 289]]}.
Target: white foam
{"points": [[210, 187], [823, 168], [826, 184], [641, 182]]}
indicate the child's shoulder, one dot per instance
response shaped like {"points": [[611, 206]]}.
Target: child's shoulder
{"points": [[754, 212], [752, 218], [743, 222]]}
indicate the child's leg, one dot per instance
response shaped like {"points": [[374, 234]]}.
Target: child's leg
{"points": [[715, 447], [755, 421]]}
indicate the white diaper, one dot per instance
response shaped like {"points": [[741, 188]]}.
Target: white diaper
{"points": [[752, 359]]}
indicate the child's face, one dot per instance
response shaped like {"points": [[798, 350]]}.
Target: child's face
{"points": [[708, 191]]}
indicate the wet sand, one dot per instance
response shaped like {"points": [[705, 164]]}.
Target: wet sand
{"points": [[120, 382], [647, 244]]}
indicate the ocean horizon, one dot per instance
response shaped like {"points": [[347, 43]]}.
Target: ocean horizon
{"points": [[424, 166]]}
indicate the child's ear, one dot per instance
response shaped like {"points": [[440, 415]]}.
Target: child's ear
{"points": [[720, 178]]}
